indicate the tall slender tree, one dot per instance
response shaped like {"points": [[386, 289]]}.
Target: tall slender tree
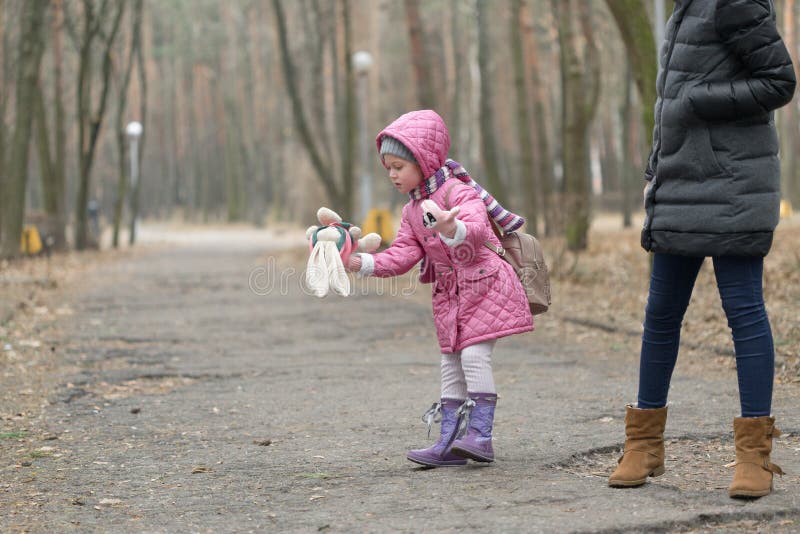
{"points": [[420, 57], [580, 82], [14, 179], [636, 30], [523, 116], [102, 25], [339, 193], [489, 152], [790, 140]]}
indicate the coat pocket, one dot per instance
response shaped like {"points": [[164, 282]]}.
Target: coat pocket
{"points": [[695, 160], [476, 283]]}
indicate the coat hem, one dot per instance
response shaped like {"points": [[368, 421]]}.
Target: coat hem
{"points": [[487, 337], [707, 244]]}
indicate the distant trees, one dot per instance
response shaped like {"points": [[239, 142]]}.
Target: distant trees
{"points": [[338, 39]]}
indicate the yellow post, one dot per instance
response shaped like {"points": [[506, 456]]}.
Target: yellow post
{"points": [[786, 209], [31, 242], [379, 220]]}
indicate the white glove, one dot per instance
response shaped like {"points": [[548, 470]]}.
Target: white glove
{"points": [[438, 219]]}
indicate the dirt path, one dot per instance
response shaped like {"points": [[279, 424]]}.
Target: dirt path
{"points": [[194, 404]]}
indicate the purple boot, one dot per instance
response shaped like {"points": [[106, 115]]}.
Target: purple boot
{"points": [[478, 412], [439, 454]]}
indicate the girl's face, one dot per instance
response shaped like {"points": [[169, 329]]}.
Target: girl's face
{"points": [[405, 175]]}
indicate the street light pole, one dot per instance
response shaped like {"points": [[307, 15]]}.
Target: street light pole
{"points": [[134, 132], [362, 61]]}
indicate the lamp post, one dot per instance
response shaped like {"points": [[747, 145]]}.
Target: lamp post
{"points": [[134, 131], [362, 61]]}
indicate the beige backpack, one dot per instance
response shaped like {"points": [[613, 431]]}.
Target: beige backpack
{"points": [[524, 253]]}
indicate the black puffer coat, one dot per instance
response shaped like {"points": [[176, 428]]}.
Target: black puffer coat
{"points": [[714, 172]]}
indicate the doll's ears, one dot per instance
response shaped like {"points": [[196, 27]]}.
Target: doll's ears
{"points": [[327, 216], [369, 243], [310, 231]]}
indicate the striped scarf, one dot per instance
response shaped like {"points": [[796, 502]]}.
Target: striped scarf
{"points": [[505, 219]]}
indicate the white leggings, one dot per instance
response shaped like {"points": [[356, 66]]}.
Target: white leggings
{"points": [[469, 370]]}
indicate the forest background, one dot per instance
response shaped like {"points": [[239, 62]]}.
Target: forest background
{"points": [[257, 110]]}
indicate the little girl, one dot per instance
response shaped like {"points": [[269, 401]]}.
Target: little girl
{"points": [[477, 297]]}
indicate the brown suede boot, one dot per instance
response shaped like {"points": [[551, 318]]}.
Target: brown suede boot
{"points": [[753, 476], [644, 447]]}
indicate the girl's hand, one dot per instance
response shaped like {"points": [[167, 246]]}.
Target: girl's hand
{"points": [[353, 264], [438, 219]]}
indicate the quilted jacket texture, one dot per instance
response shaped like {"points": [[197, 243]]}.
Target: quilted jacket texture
{"points": [[714, 165], [476, 294]]}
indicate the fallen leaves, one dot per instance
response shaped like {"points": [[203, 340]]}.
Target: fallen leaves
{"points": [[609, 285]]}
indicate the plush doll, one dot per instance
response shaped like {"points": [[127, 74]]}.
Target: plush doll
{"points": [[331, 243]]}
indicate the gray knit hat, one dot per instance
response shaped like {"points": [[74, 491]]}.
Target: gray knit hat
{"points": [[390, 145]]}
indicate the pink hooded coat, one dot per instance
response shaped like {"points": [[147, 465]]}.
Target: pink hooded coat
{"points": [[476, 294]]}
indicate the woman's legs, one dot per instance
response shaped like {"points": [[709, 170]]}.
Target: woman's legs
{"points": [[671, 285], [740, 288]]}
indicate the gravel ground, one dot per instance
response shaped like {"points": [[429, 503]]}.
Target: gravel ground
{"points": [[183, 400]]}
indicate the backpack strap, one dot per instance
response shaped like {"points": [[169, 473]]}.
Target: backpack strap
{"points": [[500, 251]]}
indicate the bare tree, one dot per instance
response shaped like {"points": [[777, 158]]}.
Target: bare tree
{"points": [[340, 195], [580, 80], [629, 148], [523, 116], [790, 141], [90, 118], [636, 30], [3, 96], [540, 116], [15, 176], [420, 57], [489, 153]]}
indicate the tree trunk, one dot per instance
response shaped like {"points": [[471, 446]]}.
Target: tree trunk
{"points": [[321, 167], [542, 151], [420, 58], [3, 95], [489, 152], [789, 114], [46, 163], [60, 163], [580, 87], [14, 179], [636, 30], [349, 149], [523, 118], [629, 149]]}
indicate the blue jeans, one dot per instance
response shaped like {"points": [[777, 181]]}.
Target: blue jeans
{"points": [[739, 284]]}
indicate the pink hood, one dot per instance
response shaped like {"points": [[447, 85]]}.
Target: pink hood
{"points": [[425, 134]]}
